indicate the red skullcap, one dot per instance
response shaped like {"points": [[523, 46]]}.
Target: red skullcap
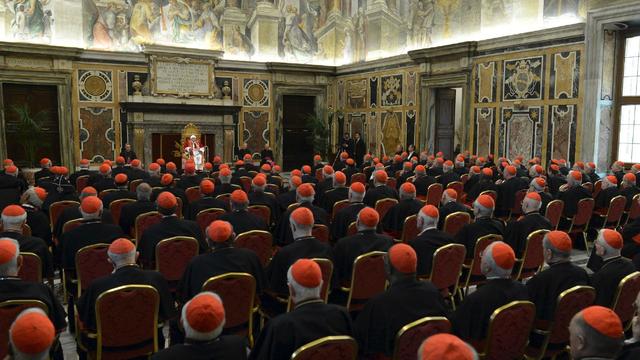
{"points": [[84, 162], [534, 196], [8, 162], [357, 187], [91, 204], [63, 170], [171, 166], [350, 162], [105, 168], [135, 162], [189, 168], [224, 166], [612, 238], [430, 211], [419, 169], [225, 172], [120, 160], [503, 255], [207, 187], [120, 179], [403, 258], [481, 159], [317, 158], [327, 170], [11, 169], [208, 166], [407, 165], [344, 155], [446, 346], [619, 163], [451, 193], [13, 210], [560, 240], [306, 190], [121, 246], [448, 163], [340, 177], [591, 165], [44, 161], [404, 154], [154, 167], [397, 158], [160, 161], [486, 201], [302, 216], [635, 166], [554, 167], [8, 250], [217, 159], [369, 217], [219, 231], [259, 181], [296, 172], [204, 313], [246, 157], [307, 273], [40, 192], [475, 169], [511, 170], [32, 333], [89, 191], [580, 164], [487, 172], [381, 176], [630, 177], [612, 179], [379, 166], [167, 200], [408, 188], [265, 167], [277, 168], [296, 181], [239, 197], [576, 175], [306, 169], [541, 182], [440, 160], [166, 179], [604, 321]]}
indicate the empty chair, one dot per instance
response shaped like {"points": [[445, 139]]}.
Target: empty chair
{"points": [[411, 336], [554, 213], [31, 269], [434, 194], [144, 221], [192, 193], [446, 270], [330, 347], [456, 221], [92, 263], [368, 279], [509, 328], [473, 273], [624, 302], [321, 232], [207, 216], [532, 257], [580, 221], [409, 229], [258, 241], [116, 208], [173, 256]]}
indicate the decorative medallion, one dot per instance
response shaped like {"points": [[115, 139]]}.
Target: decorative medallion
{"points": [[523, 79], [256, 92], [95, 85], [391, 90]]}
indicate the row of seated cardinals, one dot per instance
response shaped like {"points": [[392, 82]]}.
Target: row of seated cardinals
{"points": [[306, 200]]}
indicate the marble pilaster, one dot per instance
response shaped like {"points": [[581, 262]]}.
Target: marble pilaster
{"points": [[384, 30], [264, 28], [233, 19]]}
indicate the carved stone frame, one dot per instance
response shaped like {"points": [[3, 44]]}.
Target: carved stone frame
{"points": [[153, 64]]}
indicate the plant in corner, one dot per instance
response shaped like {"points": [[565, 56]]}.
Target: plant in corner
{"points": [[319, 135], [29, 128]]}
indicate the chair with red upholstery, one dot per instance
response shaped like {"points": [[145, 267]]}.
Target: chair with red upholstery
{"points": [[330, 347], [611, 218], [273, 189], [207, 216], [56, 209], [532, 257], [359, 177], [464, 178], [81, 182], [92, 262], [368, 279], [71, 224], [509, 328], [580, 221], [434, 194], [352, 229], [172, 257], [383, 206], [145, 221], [392, 182], [26, 230], [554, 213], [624, 302], [103, 193], [245, 182], [31, 269], [321, 232], [472, 273], [261, 211], [179, 207], [446, 269], [339, 205], [238, 294], [258, 241], [458, 186], [224, 197], [588, 186], [116, 208], [634, 210], [411, 336], [555, 333], [319, 175], [127, 322], [409, 229], [326, 267], [133, 185], [597, 187], [9, 311], [193, 194], [516, 208], [456, 221]]}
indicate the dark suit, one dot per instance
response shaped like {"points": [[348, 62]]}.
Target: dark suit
{"points": [[425, 245]]}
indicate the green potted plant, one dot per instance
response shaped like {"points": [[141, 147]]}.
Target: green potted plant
{"points": [[30, 130], [319, 135]]}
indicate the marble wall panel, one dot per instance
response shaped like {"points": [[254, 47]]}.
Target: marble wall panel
{"points": [[565, 75], [97, 133], [357, 93], [256, 93], [391, 131], [522, 132], [391, 92], [95, 85], [484, 127], [373, 92], [256, 129], [485, 82], [523, 79], [561, 132], [410, 91]]}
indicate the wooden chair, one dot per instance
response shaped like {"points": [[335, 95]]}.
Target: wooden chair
{"points": [[319, 175], [509, 328], [92, 262], [556, 331], [145, 221], [409, 229], [56, 209], [81, 182], [224, 197], [446, 270], [597, 187], [434, 194], [359, 177], [71, 224], [352, 229], [321, 232], [173, 256], [458, 186], [133, 185], [516, 208], [31, 269], [9, 311], [580, 221], [456, 221], [326, 266], [473, 274], [261, 211], [26, 230], [238, 294], [245, 182], [339, 205], [392, 182], [193, 194], [532, 258], [292, 207], [626, 294], [116, 208], [205, 217], [588, 186], [383, 206], [104, 193], [258, 241], [634, 210], [368, 279], [464, 178], [330, 347], [554, 213], [611, 219], [411, 336]]}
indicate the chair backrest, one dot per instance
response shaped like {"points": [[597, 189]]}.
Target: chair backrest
{"points": [[31, 269], [205, 217], [411, 336], [458, 186], [352, 229], [144, 221], [359, 177], [337, 206], [56, 209], [434, 194], [226, 197], [321, 232], [273, 188], [616, 209], [409, 229], [26, 229], [464, 178], [516, 207], [261, 211], [456, 221], [71, 224], [173, 256], [127, 316], [383, 206], [623, 303], [293, 206], [585, 209], [92, 262], [258, 241], [554, 212], [368, 279], [588, 186], [447, 266], [245, 181], [481, 244], [491, 193], [116, 208], [533, 256], [597, 187], [634, 210], [238, 292], [103, 193], [9, 311], [392, 182], [570, 302], [179, 207], [330, 347], [133, 185], [193, 194], [509, 328], [326, 266], [81, 182]]}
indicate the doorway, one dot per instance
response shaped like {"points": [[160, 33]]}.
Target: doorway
{"points": [[169, 146], [445, 124], [297, 149]]}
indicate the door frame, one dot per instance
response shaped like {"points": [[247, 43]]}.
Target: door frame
{"points": [[453, 120]]}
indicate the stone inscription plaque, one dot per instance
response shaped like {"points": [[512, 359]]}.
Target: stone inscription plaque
{"points": [[182, 77]]}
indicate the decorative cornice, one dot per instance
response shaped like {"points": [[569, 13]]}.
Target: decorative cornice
{"points": [[182, 52], [463, 49], [49, 51], [301, 68]]}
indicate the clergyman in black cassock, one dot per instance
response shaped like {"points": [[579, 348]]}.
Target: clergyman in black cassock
{"points": [[483, 225], [129, 212], [305, 195], [241, 219], [614, 268], [380, 190], [449, 205], [429, 239], [517, 231], [393, 221]]}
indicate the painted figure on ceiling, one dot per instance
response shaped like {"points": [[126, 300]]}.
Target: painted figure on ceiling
{"points": [[421, 23], [30, 20], [142, 20], [298, 39], [360, 30]]}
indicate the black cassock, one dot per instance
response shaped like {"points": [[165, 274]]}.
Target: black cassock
{"points": [[384, 315], [266, 199], [607, 279], [130, 212], [450, 208], [343, 219], [448, 177], [394, 218], [89, 233], [555, 182], [169, 226], [545, 287], [206, 202], [481, 186], [379, 193], [282, 233], [220, 261], [470, 233], [72, 213], [34, 245], [507, 194], [571, 198], [517, 232], [631, 238], [471, 319], [187, 181], [285, 199], [333, 196], [426, 244], [243, 221], [13, 288], [546, 199], [321, 188], [38, 221], [349, 248], [230, 347], [117, 195], [309, 321]]}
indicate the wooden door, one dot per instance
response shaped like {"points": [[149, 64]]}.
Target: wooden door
{"points": [[445, 121], [297, 150]]}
